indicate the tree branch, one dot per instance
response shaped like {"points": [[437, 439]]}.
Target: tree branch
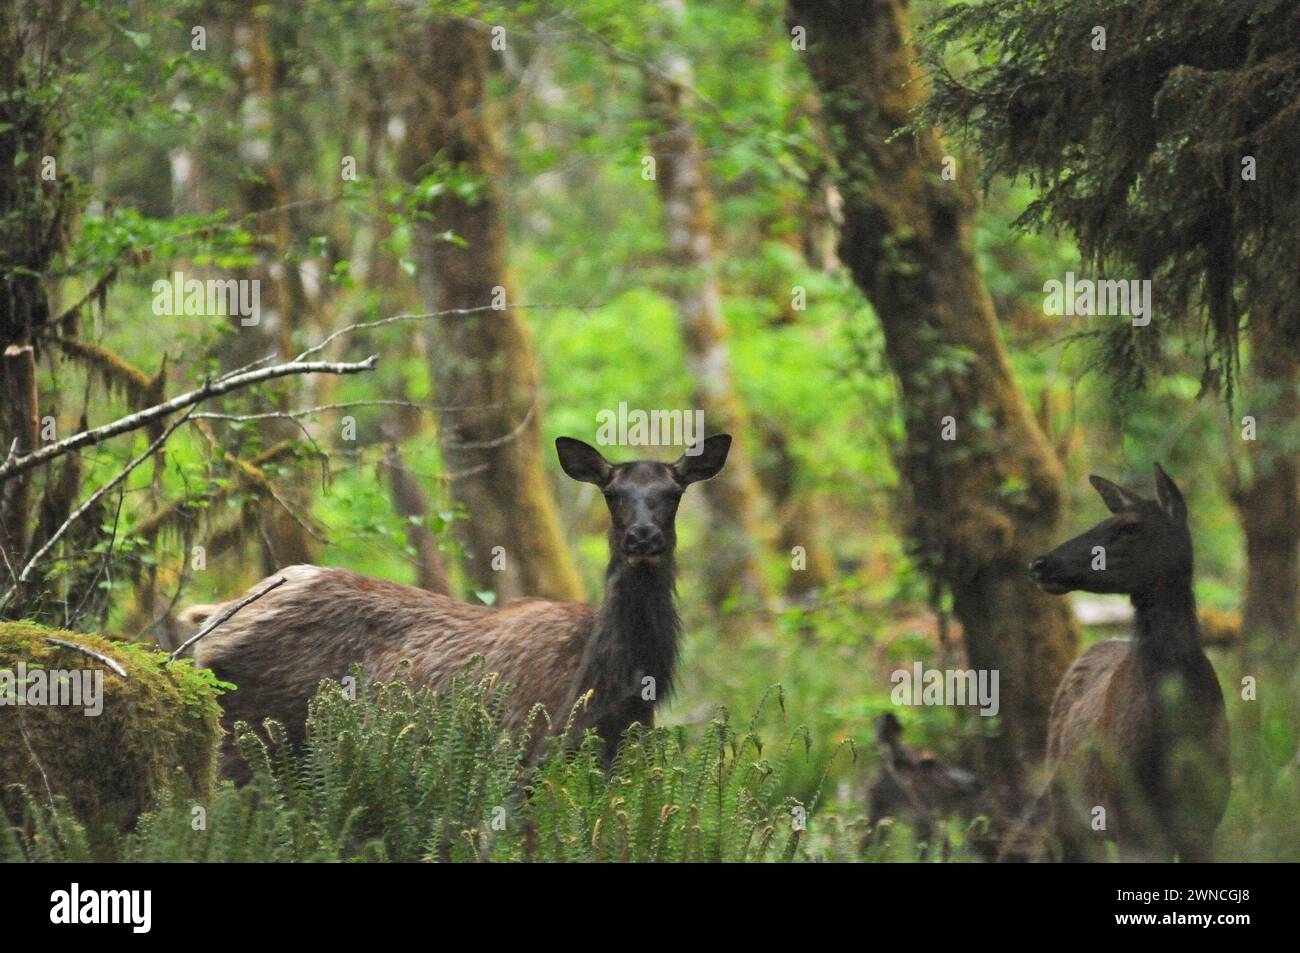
{"points": [[149, 415], [345, 405], [84, 507], [448, 313], [86, 650]]}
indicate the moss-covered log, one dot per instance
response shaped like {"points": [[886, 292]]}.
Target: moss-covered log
{"points": [[121, 745]]}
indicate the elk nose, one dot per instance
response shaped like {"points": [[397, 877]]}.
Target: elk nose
{"points": [[644, 539]]}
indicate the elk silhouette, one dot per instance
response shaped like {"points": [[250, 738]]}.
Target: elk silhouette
{"points": [[321, 621], [922, 788], [1137, 726]]}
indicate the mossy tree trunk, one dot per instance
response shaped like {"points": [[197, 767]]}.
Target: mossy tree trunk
{"points": [[482, 363], [983, 503], [34, 210]]}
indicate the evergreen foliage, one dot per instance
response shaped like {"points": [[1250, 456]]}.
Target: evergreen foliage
{"points": [[1168, 153]]}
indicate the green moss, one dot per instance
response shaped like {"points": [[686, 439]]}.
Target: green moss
{"points": [[158, 729]]}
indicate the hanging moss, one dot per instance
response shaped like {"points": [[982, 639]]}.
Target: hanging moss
{"points": [[156, 729]]}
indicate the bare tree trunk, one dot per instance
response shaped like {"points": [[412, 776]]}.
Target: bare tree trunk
{"points": [[734, 570], [1269, 506], [987, 500], [482, 363]]}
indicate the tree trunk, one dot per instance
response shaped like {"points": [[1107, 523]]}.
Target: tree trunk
{"points": [[34, 212], [734, 571], [1269, 506], [986, 501], [481, 363]]}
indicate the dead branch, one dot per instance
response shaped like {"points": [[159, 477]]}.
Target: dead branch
{"points": [[84, 507], [22, 729], [225, 616], [344, 405], [246, 377], [86, 650], [147, 416], [495, 441], [397, 318], [448, 313]]}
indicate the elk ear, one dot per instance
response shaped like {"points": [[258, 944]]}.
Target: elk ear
{"points": [[705, 462], [1113, 495], [1170, 497], [582, 461]]}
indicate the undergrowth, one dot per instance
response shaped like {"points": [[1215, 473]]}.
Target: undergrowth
{"points": [[403, 774]]}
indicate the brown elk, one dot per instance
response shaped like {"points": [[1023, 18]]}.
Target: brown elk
{"points": [[919, 786], [1137, 726], [322, 621]]}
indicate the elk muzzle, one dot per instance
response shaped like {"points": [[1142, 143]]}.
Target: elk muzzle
{"points": [[1048, 574], [644, 541]]}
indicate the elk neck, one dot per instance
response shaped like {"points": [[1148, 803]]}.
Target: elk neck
{"points": [[637, 629], [1165, 630]]}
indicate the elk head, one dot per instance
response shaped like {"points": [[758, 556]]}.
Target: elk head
{"points": [[642, 495], [1142, 545]]}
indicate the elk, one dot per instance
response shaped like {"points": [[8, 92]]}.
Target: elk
{"points": [[918, 785], [1137, 726], [322, 621]]}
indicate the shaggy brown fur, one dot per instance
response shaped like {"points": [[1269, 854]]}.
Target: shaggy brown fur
{"points": [[322, 621]]}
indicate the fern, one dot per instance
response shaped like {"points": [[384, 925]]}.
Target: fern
{"points": [[404, 774]]}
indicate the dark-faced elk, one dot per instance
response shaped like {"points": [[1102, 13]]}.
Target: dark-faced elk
{"points": [[1138, 740], [919, 787], [320, 622]]}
